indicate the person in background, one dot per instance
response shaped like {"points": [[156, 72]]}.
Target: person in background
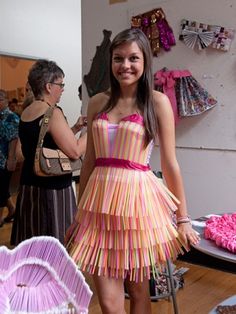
{"points": [[13, 104], [45, 205], [29, 96], [9, 122], [123, 229]]}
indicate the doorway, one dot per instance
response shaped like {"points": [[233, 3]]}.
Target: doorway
{"points": [[13, 79]]}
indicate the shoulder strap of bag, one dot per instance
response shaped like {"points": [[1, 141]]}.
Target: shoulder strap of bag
{"points": [[44, 125]]}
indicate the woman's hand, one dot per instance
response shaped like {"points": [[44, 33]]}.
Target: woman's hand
{"points": [[188, 234], [80, 123]]}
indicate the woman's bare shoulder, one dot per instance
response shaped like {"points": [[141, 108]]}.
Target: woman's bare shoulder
{"points": [[159, 97], [98, 102], [33, 111], [161, 102]]}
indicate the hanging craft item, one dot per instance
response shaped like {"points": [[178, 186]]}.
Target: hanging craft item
{"points": [[187, 96], [154, 24], [38, 277], [98, 80], [200, 35], [223, 37], [201, 39]]}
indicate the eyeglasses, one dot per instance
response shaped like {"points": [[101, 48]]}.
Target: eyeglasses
{"points": [[62, 85]]}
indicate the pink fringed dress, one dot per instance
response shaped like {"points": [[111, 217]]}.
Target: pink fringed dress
{"points": [[123, 227]]}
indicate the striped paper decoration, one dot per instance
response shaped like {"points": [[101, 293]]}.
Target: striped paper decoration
{"points": [[39, 277]]}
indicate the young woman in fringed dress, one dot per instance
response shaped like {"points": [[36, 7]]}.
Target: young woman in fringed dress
{"points": [[123, 229]]}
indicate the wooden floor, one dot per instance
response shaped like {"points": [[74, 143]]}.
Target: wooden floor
{"points": [[204, 288]]}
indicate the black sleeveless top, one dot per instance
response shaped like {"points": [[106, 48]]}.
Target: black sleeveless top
{"points": [[28, 134]]}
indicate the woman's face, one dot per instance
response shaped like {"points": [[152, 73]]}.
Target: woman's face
{"points": [[56, 89], [127, 63]]}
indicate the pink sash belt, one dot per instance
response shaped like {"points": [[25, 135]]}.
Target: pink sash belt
{"points": [[120, 163]]}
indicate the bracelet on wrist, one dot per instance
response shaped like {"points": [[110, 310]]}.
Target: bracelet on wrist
{"points": [[184, 222], [183, 218]]}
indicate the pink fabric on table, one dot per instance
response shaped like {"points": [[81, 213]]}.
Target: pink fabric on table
{"points": [[222, 230]]}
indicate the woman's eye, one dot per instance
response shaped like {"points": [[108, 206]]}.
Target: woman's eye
{"points": [[117, 59], [134, 58]]}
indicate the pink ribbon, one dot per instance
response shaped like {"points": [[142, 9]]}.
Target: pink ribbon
{"points": [[120, 163], [167, 80]]}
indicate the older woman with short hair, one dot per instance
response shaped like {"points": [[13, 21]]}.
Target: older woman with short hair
{"points": [[45, 205]]}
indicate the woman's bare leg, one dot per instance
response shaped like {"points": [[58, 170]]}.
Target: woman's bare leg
{"points": [[110, 293], [140, 302]]}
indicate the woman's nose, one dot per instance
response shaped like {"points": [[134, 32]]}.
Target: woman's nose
{"points": [[125, 63]]}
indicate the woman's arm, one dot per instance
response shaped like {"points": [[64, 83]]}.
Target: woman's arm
{"points": [[82, 142], [63, 135], [169, 164]]}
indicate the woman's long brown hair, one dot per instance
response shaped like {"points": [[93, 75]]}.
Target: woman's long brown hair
{"points": [[145, 84]]}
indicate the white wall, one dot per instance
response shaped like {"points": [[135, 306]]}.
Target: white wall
{"points": [[207, 143], [46, 29]]}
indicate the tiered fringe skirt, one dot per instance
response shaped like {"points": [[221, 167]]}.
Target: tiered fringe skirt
{"points": [[124, 226]]}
